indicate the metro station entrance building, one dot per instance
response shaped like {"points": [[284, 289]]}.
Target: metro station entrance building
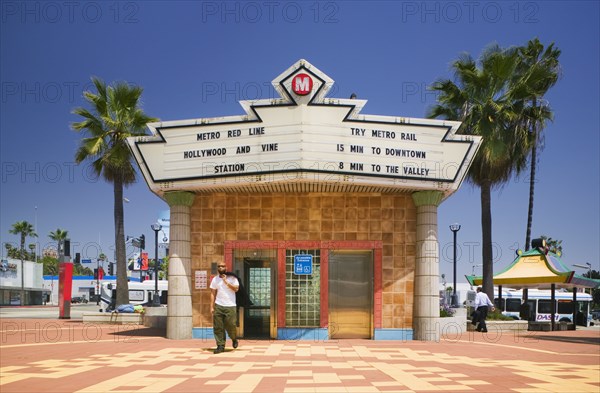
{"points": [[329, 216]]}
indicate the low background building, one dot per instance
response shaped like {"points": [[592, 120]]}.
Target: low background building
{"points": [[10, 282]]}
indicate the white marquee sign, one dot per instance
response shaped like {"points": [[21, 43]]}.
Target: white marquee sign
{"points": [[304, 137]]}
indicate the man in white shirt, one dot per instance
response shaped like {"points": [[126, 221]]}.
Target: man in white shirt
{"points": [[482, 302], [223, 307]]}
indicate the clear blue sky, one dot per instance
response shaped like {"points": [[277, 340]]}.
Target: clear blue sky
{"points": [[197, 59]]}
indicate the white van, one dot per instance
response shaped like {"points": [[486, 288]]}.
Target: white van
{"points": [[139, 293]]}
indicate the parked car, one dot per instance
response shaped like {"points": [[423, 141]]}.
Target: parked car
{"points": [[595, 314], [78, 299]]}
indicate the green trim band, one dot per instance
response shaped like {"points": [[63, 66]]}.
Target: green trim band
{"points": [[425, 198], [180, 198]]}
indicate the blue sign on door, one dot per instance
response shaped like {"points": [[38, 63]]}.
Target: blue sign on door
{"points": [[303, 264]]}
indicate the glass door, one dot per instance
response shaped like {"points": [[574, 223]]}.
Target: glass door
{"points": [[257, 317]]}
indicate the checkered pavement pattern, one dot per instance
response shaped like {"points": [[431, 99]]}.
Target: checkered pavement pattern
{"points": [[298, 368]]}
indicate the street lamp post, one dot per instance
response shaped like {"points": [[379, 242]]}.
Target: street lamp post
{"points": [[454, 228], [586, 266], [156, 227]]}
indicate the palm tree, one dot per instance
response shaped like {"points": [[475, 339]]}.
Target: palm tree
{"points": [[115, 115], [31, 247], [480, 97], [50, 265], [59, 236], [538, 71], [9, 250], [24, 229]]}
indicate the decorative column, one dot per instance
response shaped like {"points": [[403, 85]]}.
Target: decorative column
{"points": [[179, 311], [427, 268]]}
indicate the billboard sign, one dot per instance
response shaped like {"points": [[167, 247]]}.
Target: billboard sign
{"points": [[304, 138]]}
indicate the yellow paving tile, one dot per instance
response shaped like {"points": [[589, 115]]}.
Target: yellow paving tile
{"points": [[220, 382], [452, 387], [469, 382], [361, 389], [303, 352], [435, 369], [244, 383], [212, 372], [182, 370], [407, 379], [10, 378], [136, 381], [453, 375], [320, 363], [437, 379], [350, 377], [404, 366], [11, 368], [340, 365], [410, 354], [566, 386], [358, 363], [301, 373], [362, 351], [326, 378], [301, 381], [274, 350], [386, 383], [239, 366], [318, 350], [53, 373], [300, 390]]}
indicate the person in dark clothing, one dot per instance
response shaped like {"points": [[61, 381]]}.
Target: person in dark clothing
{"points": [[482, 304]]}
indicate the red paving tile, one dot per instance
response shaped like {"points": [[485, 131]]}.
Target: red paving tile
{"points": [[69, 356]]}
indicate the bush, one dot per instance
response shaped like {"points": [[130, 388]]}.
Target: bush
{"points": [[446, 311], [498, 316]]}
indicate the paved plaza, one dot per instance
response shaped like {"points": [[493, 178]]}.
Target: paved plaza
{"points": [[52, 355]]}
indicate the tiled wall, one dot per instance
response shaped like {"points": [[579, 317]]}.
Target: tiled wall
{"points": [[388, 218]]}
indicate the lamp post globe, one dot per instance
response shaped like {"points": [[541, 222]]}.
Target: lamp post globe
{"points": [[454, 228], [156, 227]]}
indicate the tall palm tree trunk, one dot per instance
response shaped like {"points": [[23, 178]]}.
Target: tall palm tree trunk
{"points": [[122, 287], [22, 296], [531, 179], [531, 192], [486, 231]]}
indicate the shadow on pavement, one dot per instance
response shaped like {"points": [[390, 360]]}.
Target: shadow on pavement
{"points": [[140, 331], [572, 340], [124, 330]]}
